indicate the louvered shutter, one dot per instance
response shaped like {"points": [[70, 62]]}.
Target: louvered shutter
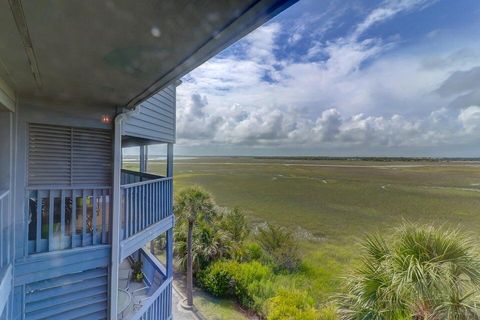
{"points": [[92, 156], [67, 156], [49, 158]]}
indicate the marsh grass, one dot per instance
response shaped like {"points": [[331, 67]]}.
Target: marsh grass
{"points": [[341, 211]]}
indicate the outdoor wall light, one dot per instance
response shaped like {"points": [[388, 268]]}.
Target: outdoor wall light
{"points": [[105, 119]]}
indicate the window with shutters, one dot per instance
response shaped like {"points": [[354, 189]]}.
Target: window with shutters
{"points": [[68, 156]]}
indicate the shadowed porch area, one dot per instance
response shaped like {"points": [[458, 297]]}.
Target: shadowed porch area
{"points": [[150, 296]]}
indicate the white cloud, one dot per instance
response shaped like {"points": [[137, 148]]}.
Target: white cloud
{"points": [[470, 119], [387, 11], [345, 93]]}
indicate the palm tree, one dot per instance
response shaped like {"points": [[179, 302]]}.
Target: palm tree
{"points": [[193, 204], [426, 273], [209, 243]]}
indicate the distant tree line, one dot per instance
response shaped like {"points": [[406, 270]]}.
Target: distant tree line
{"points": [[381, 159]]}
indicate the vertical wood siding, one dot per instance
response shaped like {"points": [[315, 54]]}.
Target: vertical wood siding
{"points": [[155, 119]]}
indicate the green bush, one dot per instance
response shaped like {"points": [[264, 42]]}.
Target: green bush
{"points": [[249, 282], [218, 278], [281, 246], [250, 252], [293, 304], [251, 279]]}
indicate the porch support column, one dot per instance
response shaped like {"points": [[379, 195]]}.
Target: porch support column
{"points": [[143, 158], [170, 160], [170, 231], [169, 253], [115, 228]]}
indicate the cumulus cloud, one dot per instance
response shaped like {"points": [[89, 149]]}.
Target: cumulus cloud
{"points": [[343, 92], [288, 127]]}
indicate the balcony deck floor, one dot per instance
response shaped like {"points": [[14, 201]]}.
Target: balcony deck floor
{"points": [[130, 286]]}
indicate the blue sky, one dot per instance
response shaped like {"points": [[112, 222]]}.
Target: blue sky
{"points": [[394, 78]]}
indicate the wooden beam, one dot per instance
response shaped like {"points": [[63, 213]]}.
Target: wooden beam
{"points": [[21, 22]]}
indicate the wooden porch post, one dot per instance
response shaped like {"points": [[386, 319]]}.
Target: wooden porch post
{"points": [[170, 160], [115, 258], [170, 231], [145, 157], [142, 159]]}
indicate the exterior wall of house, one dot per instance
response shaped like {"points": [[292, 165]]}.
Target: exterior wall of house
{"points": [[60, 284], [73, 281], [155, 119], [43, 114]]}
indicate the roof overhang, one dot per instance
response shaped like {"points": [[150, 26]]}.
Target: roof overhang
{"points": [[116, 53]]}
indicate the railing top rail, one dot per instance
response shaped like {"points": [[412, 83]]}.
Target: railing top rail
{"points": [[141, 174], [79, 187], [136, 184], [4, 193]]}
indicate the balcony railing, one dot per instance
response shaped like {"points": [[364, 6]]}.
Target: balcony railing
{"points": [[129, 176], [63, 218], [158, 306], [144, 204], [6, 218]]}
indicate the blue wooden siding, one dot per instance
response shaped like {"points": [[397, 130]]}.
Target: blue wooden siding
{"points": [[63, 225], [155, 119], [79, 295], [64, 284]]}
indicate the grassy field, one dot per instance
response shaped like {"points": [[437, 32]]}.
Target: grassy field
{"points": [[331, 204]]}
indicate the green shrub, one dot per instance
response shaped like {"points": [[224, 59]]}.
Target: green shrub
{"points": [[280, 244], [249, 282], [251, 251], [235, 223], [293, 304], [218, 278]]}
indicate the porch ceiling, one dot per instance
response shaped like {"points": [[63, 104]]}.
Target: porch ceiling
{"points": [[116, 52]]}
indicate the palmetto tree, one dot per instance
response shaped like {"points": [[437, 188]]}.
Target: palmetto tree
{"points": [[426, 273], [193, 204], [209, 243]]}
